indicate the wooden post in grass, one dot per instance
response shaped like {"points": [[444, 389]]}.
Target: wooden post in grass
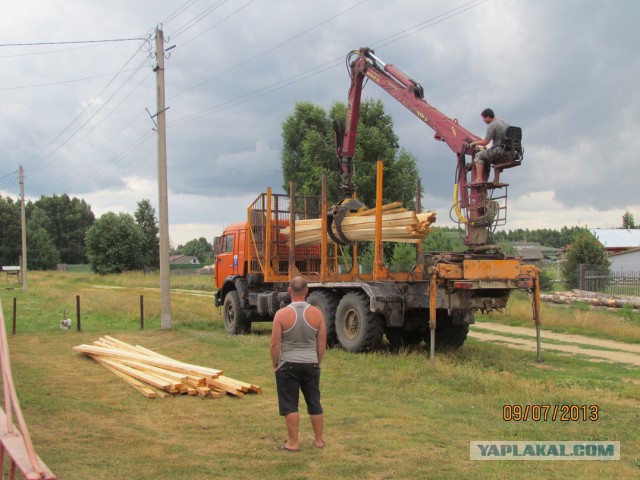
{"points": [[141, 312], [15, 308], [78, 326]]}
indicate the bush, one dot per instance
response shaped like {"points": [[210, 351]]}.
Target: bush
{"points": [[585, 250]]}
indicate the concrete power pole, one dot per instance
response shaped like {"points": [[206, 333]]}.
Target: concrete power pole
{"points": [[23, 223], [165, 285]]}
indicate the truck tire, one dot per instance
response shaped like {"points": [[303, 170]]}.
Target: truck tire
{"points": [[357, 327], [448, 335], [235, 318], [328, 303]]}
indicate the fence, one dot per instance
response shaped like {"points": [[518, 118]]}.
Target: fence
{"points": [[601, 279]]}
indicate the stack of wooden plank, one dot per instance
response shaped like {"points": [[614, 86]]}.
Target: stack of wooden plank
{"points": [[398, 225], [158, 376]]}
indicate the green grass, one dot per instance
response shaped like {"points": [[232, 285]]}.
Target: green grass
{"points": [[387, 416]]}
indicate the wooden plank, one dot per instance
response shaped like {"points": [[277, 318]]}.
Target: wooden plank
{"points": [[14, 444], [142, 388], [227, 388], [175, 377], [172, 365], [145, 377]]}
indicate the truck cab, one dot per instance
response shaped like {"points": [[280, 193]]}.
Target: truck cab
{"points": [[230, 253]]}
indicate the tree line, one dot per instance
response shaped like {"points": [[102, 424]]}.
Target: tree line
{"points": [[60, 229]]}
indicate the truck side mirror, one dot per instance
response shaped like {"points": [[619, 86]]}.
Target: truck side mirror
{"points": [[216, 246]]}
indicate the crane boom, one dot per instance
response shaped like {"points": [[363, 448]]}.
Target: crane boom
{"points": [[472, 203]]}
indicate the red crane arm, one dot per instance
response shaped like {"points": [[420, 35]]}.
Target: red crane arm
{"points": [[408, 92]]}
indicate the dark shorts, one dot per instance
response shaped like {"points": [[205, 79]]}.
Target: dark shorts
{"points": [[293, 377]]}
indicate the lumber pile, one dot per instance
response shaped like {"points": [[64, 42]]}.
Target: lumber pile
{"points": [[398, 225], [591, 298], [158, 376]]}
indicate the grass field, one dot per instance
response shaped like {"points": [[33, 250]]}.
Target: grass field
{"points": [[388, 416]]}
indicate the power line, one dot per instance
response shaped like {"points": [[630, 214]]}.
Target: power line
{"points": [[91, 103], [320, 68], [75, 42], [198, 18], [290, 39], [178, 11], [61, 82], [218, 23], [48, 51]]}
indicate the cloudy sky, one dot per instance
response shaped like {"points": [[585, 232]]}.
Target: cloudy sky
{"points": [[74, 115]]}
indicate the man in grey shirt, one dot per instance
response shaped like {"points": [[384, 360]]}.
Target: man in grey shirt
{"points": [[298, 343], [496, 130]]}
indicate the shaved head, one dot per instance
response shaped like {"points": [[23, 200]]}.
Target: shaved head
{"points": [[298, 285]]}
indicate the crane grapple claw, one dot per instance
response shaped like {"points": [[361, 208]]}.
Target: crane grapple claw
{"points": [[336, 214]]}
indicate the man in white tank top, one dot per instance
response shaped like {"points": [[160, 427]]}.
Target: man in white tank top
{"points": [[298, 343]]}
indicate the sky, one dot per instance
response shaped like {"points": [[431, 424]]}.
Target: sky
{"points": [[78, 116]]}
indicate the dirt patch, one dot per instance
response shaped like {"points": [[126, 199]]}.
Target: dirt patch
{"points": [[570, 344]]}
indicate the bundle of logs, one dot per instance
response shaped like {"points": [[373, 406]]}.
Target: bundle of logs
{"points": [[158, 376], [591, 298], [398, 225]]}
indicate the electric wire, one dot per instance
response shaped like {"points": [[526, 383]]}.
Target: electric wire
{"points": [[179, 11], [218, 23], [309, 73], [198, 18], [93, 100], [265, 90], [74, 42], [264, 52], [62, 82], [48, 51]]}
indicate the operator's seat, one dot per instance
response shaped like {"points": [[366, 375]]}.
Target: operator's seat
{"points": [[510, 152]]}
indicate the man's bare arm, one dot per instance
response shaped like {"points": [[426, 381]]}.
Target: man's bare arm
{"points": [[276, 340]]}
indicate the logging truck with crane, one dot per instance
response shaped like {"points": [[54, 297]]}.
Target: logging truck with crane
{"points": [[434, 301]]}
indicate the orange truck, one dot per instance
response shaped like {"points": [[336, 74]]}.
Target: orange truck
{"points": [[434, 301]]}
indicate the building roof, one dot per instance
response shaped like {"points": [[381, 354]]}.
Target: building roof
{"points": [[182, 259], [625, 252], [617, 237]]}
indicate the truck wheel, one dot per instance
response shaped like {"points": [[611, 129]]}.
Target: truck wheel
{"points": [[358, 328], [328, 303], [448, 335], [235, 319]]}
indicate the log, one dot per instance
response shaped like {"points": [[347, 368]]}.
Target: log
{"points": [[591, 298], [398, 225]]}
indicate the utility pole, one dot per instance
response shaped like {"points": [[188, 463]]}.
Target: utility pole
{"points": [[23, 223], [163, 219]]}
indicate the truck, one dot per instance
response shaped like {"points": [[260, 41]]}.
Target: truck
{"points": [[434, 301]]}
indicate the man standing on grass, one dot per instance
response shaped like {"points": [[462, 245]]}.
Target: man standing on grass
{"points": [[298, 342]]}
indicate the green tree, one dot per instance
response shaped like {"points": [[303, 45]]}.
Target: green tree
{"points": [[42, 252], [309, 151], [10, 231], [403, 257], [70, 219], [146, 220], [627, 221], [585, 250], [115, 244], [442, 240], [199, 248]]}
